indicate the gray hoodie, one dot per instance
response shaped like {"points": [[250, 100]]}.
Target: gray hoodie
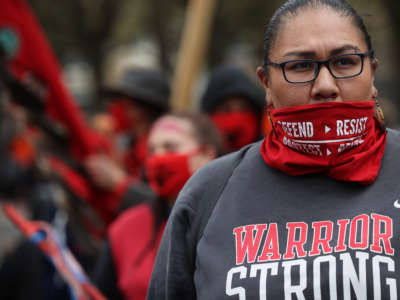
{"points": [[242, 230]]}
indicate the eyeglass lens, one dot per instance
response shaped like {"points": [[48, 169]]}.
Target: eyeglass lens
{"points": [[307, 70]]}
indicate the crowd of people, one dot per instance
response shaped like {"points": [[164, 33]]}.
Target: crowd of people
{"points": [[283, 192], [110, 207]]}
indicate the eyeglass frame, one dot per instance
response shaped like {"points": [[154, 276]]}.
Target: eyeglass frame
{"points": [[369, 53]]}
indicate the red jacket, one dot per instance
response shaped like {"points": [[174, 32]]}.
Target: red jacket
{"points": [[134, 242]]}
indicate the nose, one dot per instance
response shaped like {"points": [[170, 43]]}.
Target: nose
{"points": [[325, 87]]}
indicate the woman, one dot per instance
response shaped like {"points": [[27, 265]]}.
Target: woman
{"points": [[308, 213], [179, 144]]}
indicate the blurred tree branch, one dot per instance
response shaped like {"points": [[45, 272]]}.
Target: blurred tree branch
{"points": [[87, 31], [93, 33], [159, 20], [393, 8]]}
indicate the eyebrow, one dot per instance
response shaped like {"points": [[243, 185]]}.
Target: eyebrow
{"points": [[310, 54]]}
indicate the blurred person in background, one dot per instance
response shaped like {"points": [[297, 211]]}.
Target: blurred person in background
{"points": [[25, 272], [27, 141], [179, 144], [236, 106], [135, 101]]}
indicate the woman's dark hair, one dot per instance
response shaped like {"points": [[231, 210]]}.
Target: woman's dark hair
{"points": [[204, 130], [292, 7]]}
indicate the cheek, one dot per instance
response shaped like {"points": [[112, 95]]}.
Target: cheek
{"points": [[357, 90], [193, 164], [283, 94], [196, 162], [286, 94]]}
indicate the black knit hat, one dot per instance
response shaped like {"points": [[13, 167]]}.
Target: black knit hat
{"points": [[148, 87], [230, 81]]}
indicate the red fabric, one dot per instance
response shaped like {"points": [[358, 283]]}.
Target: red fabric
{"points": [[22, 150], [35, 57], [118, 111], [105, 203], [134, 242], [237, 128], [343, 140], [108, 203], [76, 182], [168, 173]]}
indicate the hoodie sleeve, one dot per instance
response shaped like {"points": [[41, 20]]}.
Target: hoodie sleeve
{"points": [[172, 276]]}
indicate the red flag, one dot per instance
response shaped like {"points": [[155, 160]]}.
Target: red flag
{"points": [[30, 54]]}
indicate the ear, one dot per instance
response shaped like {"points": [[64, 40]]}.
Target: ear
{"points": [[374, 66], [207, 154], [375, 92], [209, 151], [263, 76]]}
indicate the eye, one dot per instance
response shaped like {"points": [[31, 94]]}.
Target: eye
{"points": [[170, 147], [346, 61], [300, 66]]}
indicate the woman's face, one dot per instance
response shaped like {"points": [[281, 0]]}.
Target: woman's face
{"points": [[317, 34], [174, 135], [171, 135]]}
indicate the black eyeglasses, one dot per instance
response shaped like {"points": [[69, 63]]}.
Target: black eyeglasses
{"points": [[306, 70]]}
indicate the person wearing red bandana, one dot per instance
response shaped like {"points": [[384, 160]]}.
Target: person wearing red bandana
{"points": [[236, 106], [179, 144], [310, 212], [136, 100]]}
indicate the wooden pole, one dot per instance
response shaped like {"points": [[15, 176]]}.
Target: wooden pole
{"points": [[196, 33]]}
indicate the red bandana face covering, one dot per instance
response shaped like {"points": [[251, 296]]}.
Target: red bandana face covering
{"points": [[343, 140], [168, 173], [237, 128], [118, 112]]}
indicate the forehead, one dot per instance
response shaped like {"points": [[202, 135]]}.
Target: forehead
{"points": [[169, 127], [317, 30]]}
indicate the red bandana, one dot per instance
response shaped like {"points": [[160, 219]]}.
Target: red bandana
{"points": [[342, 139], [168, 173], [118, 110], [237, 128]]}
